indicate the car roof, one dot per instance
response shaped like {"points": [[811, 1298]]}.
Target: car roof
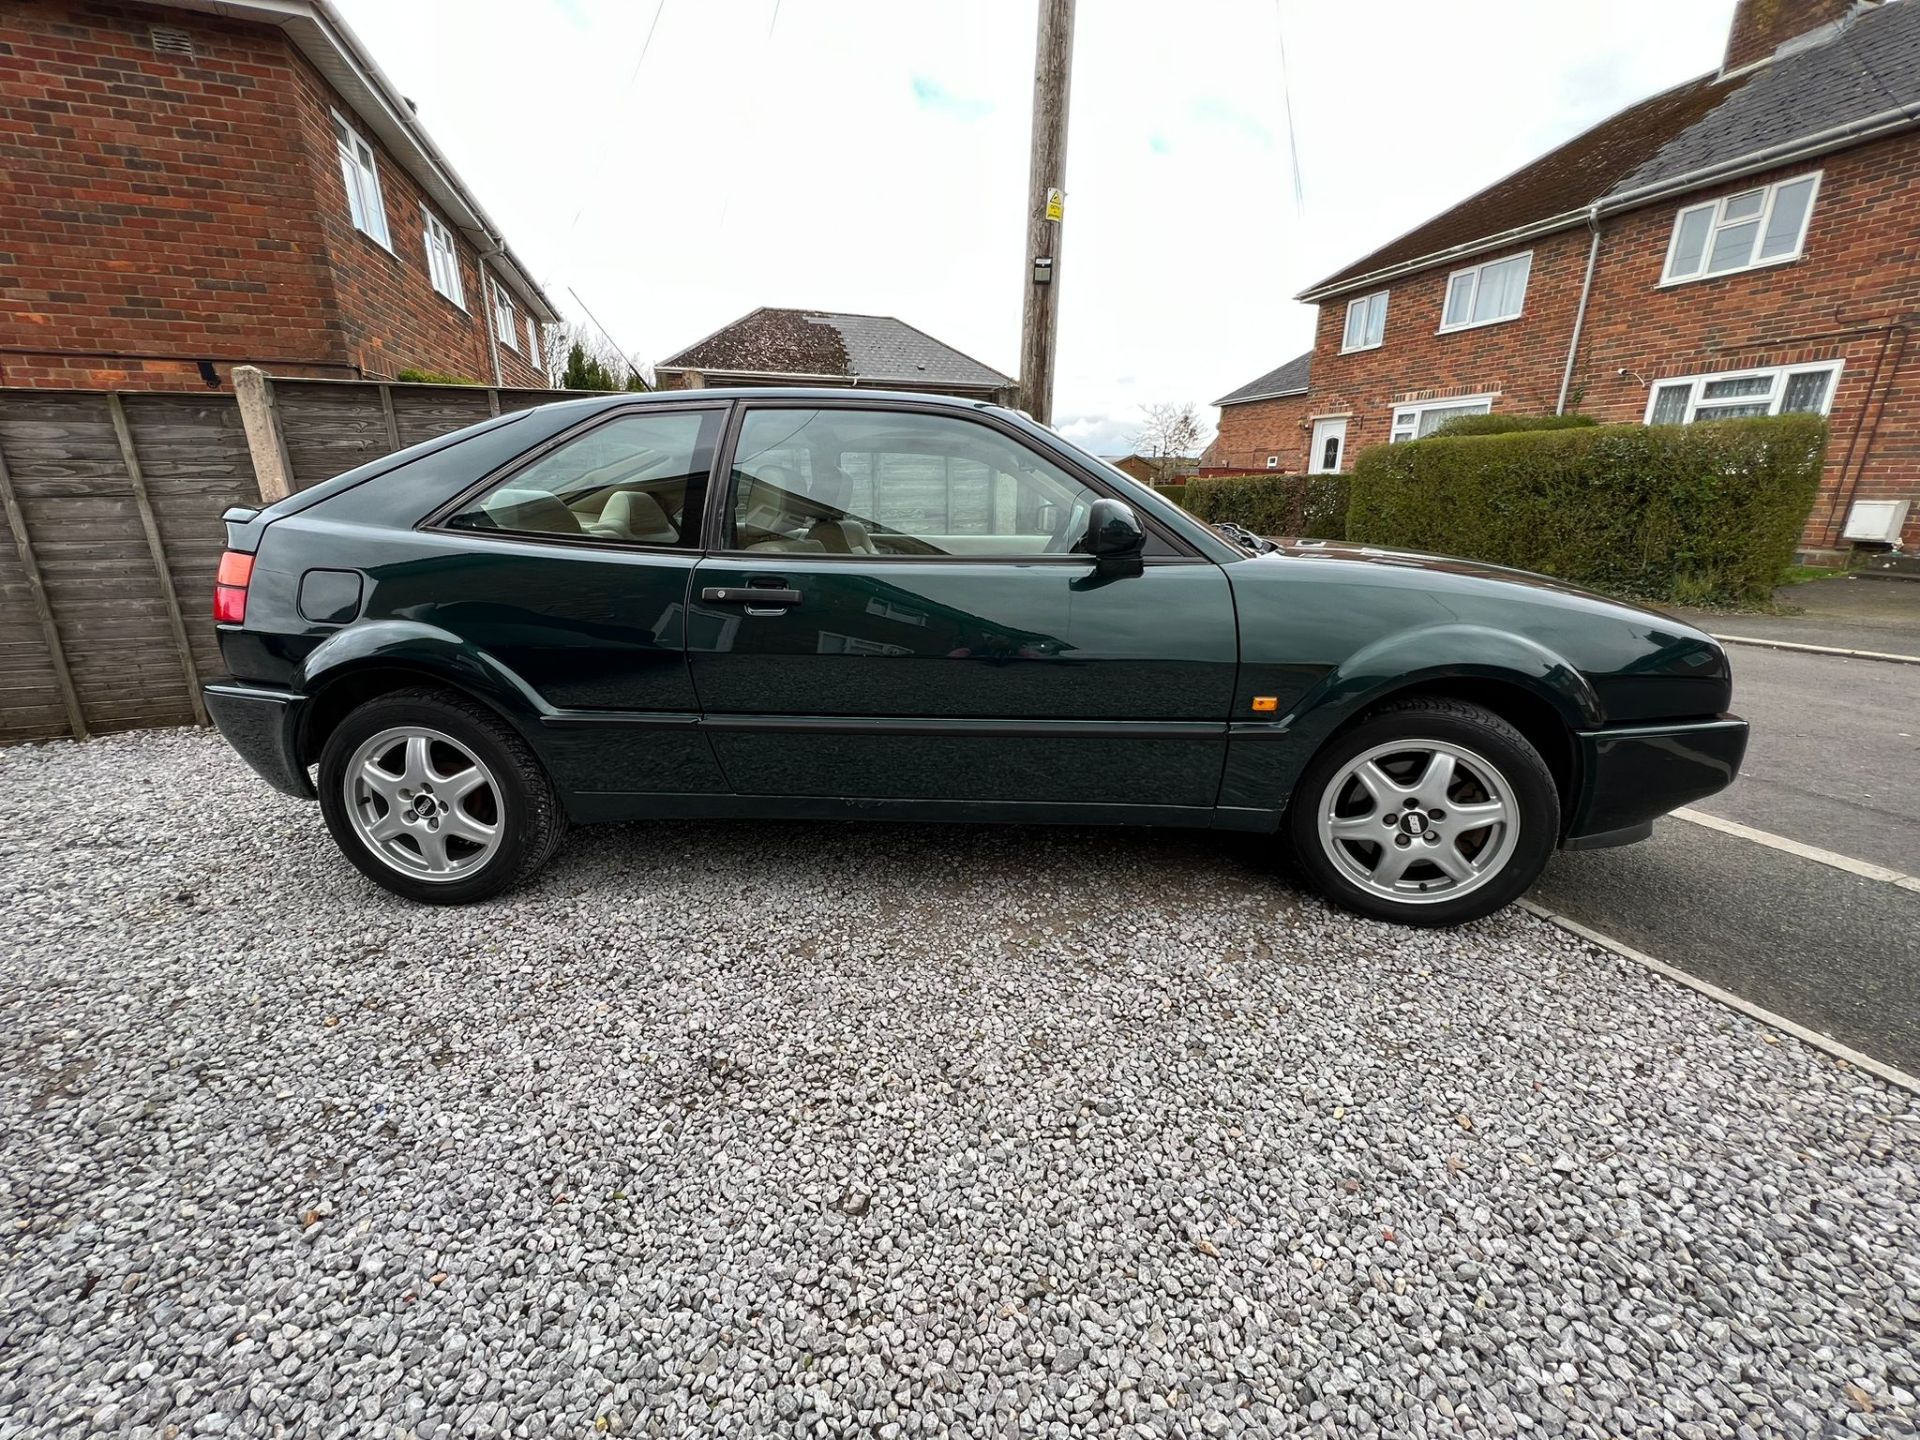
{"points": [[841, 393]]}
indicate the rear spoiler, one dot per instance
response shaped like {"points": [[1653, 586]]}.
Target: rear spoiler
{"points": [[242, 534]]}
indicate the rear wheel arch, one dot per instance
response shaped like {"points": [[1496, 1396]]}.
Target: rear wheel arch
{"points": [[337, 694]]}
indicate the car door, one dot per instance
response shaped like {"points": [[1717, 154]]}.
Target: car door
{"points": [[890, 610]]}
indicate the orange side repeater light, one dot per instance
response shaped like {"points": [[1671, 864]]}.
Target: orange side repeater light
{"points": [[1266, 704]]}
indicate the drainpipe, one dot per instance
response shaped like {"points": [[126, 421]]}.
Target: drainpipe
{"points": [[1580, 314], [486, 304]]}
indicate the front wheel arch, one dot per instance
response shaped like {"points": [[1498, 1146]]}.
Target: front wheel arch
{"points": [[1535, 717]]}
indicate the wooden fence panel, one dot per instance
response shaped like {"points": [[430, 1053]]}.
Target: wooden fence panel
{"points": [[108, 595], [194, 452], [31, 707], [77, 500], [329, 427], [425, 412]]}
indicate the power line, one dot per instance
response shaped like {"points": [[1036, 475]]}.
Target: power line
{"points": [[1286, 96]]}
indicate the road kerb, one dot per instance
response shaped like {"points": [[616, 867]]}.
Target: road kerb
{"points": [[1890, 657], [1865, 869], [1824, 1043]]}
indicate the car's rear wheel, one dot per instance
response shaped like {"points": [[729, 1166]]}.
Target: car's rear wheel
{"points": [[1429, 812], [433, 797]]}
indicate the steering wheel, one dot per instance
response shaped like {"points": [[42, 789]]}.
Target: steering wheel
{"points": [[1067, 534]]}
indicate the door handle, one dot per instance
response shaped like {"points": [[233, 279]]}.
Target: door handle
{"points": [[749, 595]]}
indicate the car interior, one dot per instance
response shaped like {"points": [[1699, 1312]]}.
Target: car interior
{"points": [[879, 486]]}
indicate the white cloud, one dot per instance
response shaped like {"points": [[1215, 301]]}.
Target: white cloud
{"points": [[871, 155]]}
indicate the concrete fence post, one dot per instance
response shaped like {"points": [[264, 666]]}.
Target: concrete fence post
{"points": [[265, 443]]}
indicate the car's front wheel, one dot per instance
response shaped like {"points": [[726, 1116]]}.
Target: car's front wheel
{"points": [[432, 796], [1431, 811]]}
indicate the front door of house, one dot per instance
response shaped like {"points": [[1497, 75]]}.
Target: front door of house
{"points": [[1329, 446]]}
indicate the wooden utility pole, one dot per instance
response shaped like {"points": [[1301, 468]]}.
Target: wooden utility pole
{"points": [[1046, 206]]}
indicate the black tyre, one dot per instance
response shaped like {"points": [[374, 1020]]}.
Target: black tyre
{"points": [[435, 798], [1428, 812]]}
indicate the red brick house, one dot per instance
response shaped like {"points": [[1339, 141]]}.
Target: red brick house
{"points": [[1264, 425], [207, 183], [1745, 243]]}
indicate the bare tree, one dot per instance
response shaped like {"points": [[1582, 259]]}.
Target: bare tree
{"points": [[1171, 433]]}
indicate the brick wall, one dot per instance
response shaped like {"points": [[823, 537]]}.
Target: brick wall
{"points": [[162, 210], [1853, 294], [392, 319], [1256, 429]]}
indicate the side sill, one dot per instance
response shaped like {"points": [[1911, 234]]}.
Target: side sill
{"points": [[588, 806]]}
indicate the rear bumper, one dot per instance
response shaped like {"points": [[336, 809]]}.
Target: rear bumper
{"points": [[263, 725], [1633, 774]]}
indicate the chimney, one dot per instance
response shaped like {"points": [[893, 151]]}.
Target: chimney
{"points": [[1760, 27]]}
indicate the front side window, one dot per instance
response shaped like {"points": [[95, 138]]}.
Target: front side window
{"points": [[1366, 322], [1487, 294], [897, 483], [635, 480], [1788, 390], [362, 180], [1738, 232], [1416, 422], [443, 258], [506, 319]]}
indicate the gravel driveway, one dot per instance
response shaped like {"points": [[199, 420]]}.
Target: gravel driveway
{"points": [[722, 1129]]}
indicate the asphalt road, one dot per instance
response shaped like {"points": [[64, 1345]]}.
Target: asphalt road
{"points": [[1835, 763]]}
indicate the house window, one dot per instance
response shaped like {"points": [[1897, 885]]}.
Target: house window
{"points": [[1416, 422], [1739, 232], [506, 320], [443, 259], [1366, 323], [1486, 294], [369, 211], [1273, 462], [1788, 390], [533, 341]]}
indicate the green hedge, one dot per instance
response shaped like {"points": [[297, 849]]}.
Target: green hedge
{"points": [[1176, 493], [1507, 424], [1687, 514], [1314, 506]]}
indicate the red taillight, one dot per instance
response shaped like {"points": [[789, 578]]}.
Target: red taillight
{"points": [[230, 588]]}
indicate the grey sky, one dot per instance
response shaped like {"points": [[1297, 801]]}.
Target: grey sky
{"points": [[870, 155]]}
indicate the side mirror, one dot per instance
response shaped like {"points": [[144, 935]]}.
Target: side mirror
{"points": [[1115, 538]]}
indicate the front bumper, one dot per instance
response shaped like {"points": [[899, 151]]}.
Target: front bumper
{"points": [[263, 725], [1635, 773]]}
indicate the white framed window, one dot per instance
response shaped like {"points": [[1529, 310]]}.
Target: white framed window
{"points": [[362, 179], [1416, 422], [1366, 323], [1740, 394], [1767, 226], [533, 341], [1486, 294], [1273, 462], [506, 319], [443, 258]]}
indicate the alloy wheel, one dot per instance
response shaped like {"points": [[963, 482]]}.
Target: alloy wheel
{"points": [[1419, 821], [423, 803]]}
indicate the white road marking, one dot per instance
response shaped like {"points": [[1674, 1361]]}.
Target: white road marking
{"points": [[1827, 1043], [1865, 869], [1819, 649]]}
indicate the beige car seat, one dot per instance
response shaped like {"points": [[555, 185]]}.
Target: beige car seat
{"points": [[634, 517]]}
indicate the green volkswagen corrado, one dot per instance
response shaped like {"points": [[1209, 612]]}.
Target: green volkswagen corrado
{"points": [[815, 604]]}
